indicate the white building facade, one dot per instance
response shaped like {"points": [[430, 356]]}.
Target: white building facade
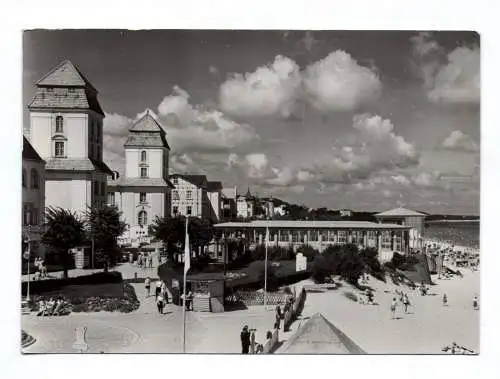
{"points": [[33, 197], [245, 206], [190, 196], [143, 193], [66, 130]]}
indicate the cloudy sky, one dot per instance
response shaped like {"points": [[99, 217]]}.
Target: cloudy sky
{"points": [[361, 120]]}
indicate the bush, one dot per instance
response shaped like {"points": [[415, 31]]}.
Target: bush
{"points": [[50, 285], [274, 253], [308, 251], [370, 259], [343, 260]]}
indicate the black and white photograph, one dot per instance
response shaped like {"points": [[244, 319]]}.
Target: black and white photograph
{"points": [[251, 192]]}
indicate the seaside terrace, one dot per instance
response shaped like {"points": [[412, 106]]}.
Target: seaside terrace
{"points": [[386, 238]]}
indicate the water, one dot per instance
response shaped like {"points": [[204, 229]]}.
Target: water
{"points": [[465, 233]]}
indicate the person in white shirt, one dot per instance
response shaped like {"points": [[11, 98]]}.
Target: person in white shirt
{"points": [[157, 289]]}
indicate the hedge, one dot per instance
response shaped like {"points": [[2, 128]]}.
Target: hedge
{"points": [[49, 285]]}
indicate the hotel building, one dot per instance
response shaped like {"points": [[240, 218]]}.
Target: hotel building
{"points": [[65, 129], [143, 193]]}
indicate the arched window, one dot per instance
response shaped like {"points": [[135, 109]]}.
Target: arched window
{"points": [[34, 179], [24, 178], [59, 124], [143, 156], [142, 218]]}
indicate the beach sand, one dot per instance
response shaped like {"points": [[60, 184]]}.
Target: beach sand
{"points": [[426, 329]]}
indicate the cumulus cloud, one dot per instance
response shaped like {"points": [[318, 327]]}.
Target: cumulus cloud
{"points": [[458, 81], [185, 164], [376, 148], [334, 83], [460, 142], [338, 82], [270, 89], [115, 131], [190, 129], [257, 165], [453, 77]]}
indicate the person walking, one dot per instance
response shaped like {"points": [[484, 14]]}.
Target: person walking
{"points": [[150, 261], [393, 307], [445, 300], [164, 291], [406, 302], [278, 316], [160, 304], [157, 289], [147, 285], [245, 340]]}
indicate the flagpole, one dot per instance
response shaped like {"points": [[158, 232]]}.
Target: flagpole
{"points": [[186, 250], [265, 269]]}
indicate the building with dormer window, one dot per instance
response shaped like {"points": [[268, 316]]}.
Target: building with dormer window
{"points": [[66, 130], [143, 193]]}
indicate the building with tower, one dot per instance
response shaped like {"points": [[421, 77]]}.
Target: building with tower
{"points": [[143, 193], [65, 129], [245, 205]]}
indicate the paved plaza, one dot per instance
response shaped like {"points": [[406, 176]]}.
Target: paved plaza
{"points": [[144, 330]]}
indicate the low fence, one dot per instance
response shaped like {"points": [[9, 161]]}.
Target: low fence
{"points": [[271, 343], [251, 297], [292, 314]]}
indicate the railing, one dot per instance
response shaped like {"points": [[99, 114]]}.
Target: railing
{"points": [[249, 298], [292, 314]]}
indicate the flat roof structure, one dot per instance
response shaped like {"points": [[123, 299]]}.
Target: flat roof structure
{"points": [[400, 212], [286, 224]]}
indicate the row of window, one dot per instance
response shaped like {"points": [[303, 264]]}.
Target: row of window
{"points": [[189, 210], [34, 179], [336, 236], [175, 195], [111, 198]]}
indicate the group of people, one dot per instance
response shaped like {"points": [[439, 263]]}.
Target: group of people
{"points": [[51, 307], [41, 269], [402, 299], [248, 343], [144, 260], [161, 293]]}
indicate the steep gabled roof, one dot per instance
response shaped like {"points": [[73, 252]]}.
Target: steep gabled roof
{"points": [[214, 186], [319, 336], [399, 212], [147, 132], [198, 180], [65, 74], [147, 123], [29, 151]]}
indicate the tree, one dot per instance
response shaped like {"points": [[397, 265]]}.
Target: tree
{"points": [[171, 231], [343, 260], [104, 227], [201, 232], [64, 230]]}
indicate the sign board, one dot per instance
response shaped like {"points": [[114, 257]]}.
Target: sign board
{"points": [[175, 283], [300, 262]]}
